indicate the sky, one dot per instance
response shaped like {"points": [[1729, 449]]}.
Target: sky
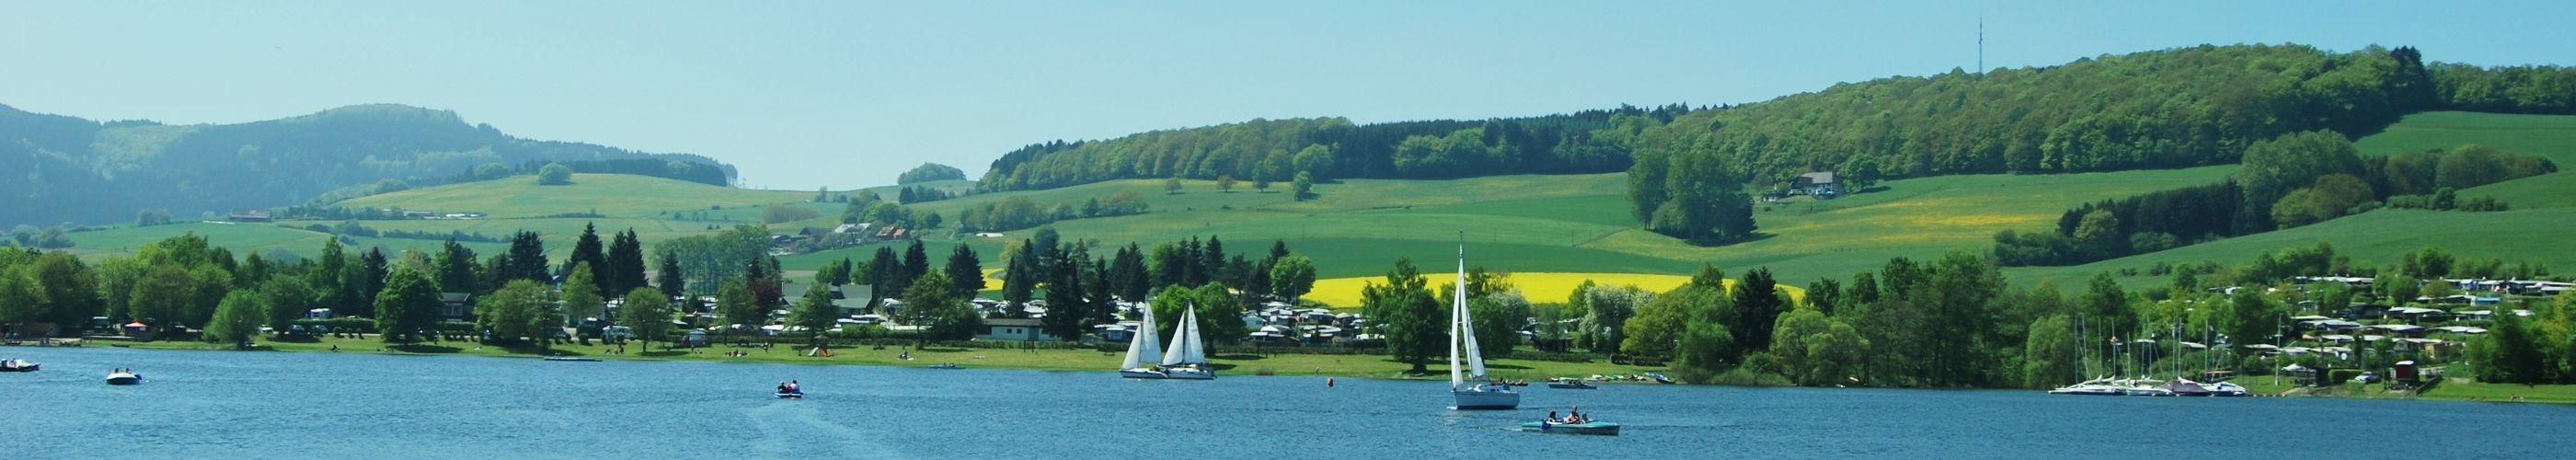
{"points": [[801, 95]]}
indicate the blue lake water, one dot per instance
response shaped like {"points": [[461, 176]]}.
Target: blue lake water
{"points": [[350, 405]]}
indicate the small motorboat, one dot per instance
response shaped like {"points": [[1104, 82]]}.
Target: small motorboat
{"points": [[2227, 389], [18, 365], [1659, 378], [124, 378], [946, 366], [792, 394], [1595, 427], [1569, 383], [572, 359]]}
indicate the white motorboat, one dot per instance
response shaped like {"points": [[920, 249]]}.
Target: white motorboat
{"points": [[124, 378], [18, 365], [2095, 387], [1462, 332]]}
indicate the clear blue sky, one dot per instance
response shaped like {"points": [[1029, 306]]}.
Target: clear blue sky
{"points": [[806, 94]]}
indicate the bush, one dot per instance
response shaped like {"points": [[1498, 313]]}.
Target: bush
{"points": [[554, 174]]}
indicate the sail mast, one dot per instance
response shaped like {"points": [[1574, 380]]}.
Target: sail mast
{"points": [[1457, 314]]}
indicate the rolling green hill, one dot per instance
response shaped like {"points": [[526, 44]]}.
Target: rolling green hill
{"points": [[76, 170], [1536, 223], [2534, 230]]}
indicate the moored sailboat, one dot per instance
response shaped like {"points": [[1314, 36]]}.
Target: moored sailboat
{"points": [[1186, 359], [1462, 331], [1142, 345]]}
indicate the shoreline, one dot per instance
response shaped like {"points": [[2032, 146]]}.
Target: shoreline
{"points": [[1377, 367], [1077, 360]]}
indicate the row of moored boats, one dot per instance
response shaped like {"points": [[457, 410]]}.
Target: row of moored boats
{"points": [[2150, 387]]}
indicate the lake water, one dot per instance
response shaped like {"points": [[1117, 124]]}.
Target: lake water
{"points": [[350, 405]]}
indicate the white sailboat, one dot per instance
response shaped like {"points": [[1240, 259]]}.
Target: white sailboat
{"points": [[1186, 359], [1143, 345], [1462, 330]]}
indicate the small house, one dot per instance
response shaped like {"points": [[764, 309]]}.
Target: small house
{"points": [[1012, 329], [1821, 184], [249, 215], [456, 306]]}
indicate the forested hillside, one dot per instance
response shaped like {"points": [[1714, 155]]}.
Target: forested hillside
{"points": [[2158, 109], [1591, 141], [67, 169]]}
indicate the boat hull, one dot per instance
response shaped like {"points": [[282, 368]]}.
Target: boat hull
{"points": [[1590, 428], [1571, 386], [2086, 391], [124, 379], [19, 367], [1480, 399], [791, 396]]}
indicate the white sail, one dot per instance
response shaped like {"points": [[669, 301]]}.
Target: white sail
{"points": [[1466, 328], [1194, 351], [1185, 342], [1456, 304], [1144, 343]]}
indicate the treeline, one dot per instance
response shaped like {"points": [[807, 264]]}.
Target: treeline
{"points": [[353, 228], [915, 194], [2297, 179], [1326, 148], [866, 206], [2512, 89], [1020, 212], [702, 173], [57, 237]]}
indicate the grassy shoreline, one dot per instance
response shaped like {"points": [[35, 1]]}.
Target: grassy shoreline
{"points": [[1316, 365]]}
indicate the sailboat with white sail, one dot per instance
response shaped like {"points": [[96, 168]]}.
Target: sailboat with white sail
{"points": [[1462, 331], [1145, 344], [1186, 358]]}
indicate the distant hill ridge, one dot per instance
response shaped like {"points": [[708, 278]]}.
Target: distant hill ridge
{"points": [[2167, 108], [84, 171]]}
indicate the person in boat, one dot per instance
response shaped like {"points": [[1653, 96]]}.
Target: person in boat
{"points": [[782, 387], [1551, 417], [793, 387]]}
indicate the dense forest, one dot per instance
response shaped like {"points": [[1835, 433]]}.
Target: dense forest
{"points": [[1590, 141], [79, 170]]}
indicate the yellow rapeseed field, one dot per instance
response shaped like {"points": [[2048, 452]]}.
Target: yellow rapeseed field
{"points": [[1539, 287]]}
